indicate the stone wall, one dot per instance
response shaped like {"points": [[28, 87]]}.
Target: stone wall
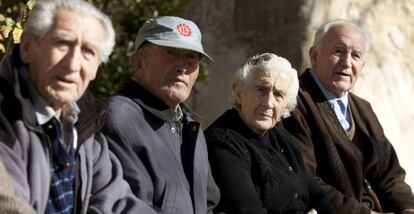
{"points": [[236, 29]]}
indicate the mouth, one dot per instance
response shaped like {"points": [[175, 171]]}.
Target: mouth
{"points": [[178, 81], [264, 115], [342, 76], [345, 74], [64, 81]]}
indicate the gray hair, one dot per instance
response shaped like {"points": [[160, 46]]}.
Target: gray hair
{"points": [[42, 16], [279, 65], [321, 32]]}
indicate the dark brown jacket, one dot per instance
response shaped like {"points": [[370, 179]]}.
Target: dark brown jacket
{"points": [[340, 163]]}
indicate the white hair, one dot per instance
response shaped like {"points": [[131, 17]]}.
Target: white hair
{"points": [[321, 32], [278, 65], [41, 19]]}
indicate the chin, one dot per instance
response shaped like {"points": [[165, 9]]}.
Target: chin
{"points": [[66, 98], [178, 97], [263, 128]]}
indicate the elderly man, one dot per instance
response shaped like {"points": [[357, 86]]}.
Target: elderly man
{"points": [[342, 141], [50, 146], [161, 147]]}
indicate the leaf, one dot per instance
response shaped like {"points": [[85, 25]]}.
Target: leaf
{"points": [[17, 33], [5, 30], [30, 4], [9, 22], [2, 48], [2, 18]]}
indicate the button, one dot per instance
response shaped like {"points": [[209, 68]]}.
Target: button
{"points": [[172, 129], [295, 196], [290, 168], [49, 126], [66, 165]]}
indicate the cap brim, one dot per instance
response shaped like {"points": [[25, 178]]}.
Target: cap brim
{"points": [[175, 44]]}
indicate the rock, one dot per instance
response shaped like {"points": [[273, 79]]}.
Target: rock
{"points": [[235, 29]]}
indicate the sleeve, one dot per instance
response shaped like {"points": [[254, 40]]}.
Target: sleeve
{"points": [[110, 192], [9, 203], [17, 179], [318, 199], [232, 173], [298, 127], [387, 177], [393, 192], [15, 168], [213, 192], [11, 163]]}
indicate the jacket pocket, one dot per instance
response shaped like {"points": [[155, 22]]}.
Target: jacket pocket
{"points": [[169, 197]]}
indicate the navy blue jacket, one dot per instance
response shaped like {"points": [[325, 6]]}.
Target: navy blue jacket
{"points": [[171, 176]]}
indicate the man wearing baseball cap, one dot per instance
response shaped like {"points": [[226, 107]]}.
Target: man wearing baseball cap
{"points": [[153, 133]]}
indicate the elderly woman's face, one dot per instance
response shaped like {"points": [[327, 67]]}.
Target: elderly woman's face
{"points": [[263, 99]]}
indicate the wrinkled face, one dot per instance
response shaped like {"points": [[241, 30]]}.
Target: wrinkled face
{"points": [[168, 73], [340, 60], [63, 62], [263, 99]]}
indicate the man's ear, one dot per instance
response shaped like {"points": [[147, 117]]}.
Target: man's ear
{"points": [[313, 55], [25, 48], [236, 93], [136, 61]]}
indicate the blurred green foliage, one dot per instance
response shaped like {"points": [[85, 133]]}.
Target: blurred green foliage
{"points": [[127, 17]]}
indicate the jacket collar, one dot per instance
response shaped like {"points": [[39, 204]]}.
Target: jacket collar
{"points": [[329, 96], [153, 104], [18, 98], [307, 82], [231, 120]]}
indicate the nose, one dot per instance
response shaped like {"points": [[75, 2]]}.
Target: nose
{"points": [[269, 100], [346, 59], [73, 59], [185, 63], [182, 64]]}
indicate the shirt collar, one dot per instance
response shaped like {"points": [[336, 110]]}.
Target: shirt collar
{"points": [[166, 114], [329, 96]]}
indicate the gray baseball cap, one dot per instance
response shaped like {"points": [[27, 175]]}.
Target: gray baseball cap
{"points": [[173, 32]]}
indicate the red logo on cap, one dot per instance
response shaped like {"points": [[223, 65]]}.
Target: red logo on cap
{"points": [[184, 30]]}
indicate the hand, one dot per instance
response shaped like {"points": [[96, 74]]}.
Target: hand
{"points": [[373, 212], [407, 211]]}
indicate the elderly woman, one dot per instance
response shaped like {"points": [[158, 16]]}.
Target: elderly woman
{"points": [[255, 164]]}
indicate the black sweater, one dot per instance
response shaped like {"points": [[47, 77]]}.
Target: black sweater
{"points": [[259, 174]]}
